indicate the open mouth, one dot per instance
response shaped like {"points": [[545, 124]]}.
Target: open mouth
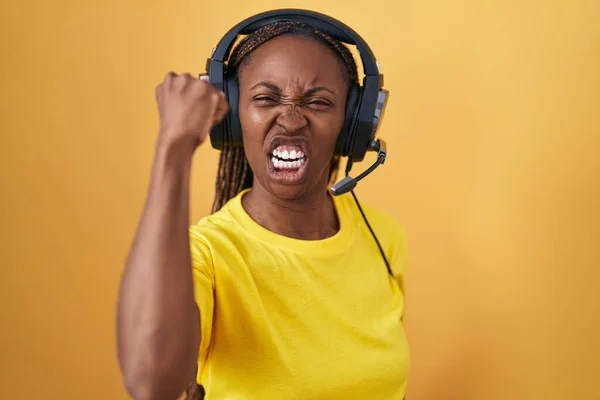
{"points": [[287, 163]]}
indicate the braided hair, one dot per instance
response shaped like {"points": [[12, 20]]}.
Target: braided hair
{"points": [[234, 173]]}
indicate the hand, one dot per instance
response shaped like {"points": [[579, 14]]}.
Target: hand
{"points": [[188, 107]]}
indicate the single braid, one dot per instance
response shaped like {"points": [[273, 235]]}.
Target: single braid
{"points": [[228, 167], [220, 184], [246, 177], [238, 154]]}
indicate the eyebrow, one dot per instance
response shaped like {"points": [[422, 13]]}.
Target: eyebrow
{"points": [[278, 90]]}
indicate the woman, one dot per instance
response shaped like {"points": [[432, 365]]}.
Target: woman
{"points": [[280, 293]]}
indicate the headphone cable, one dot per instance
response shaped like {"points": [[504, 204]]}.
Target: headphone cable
{"points": [[387, 264]]}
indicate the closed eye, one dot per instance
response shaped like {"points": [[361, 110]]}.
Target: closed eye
{"points": [[264, 100], [318, 104]]}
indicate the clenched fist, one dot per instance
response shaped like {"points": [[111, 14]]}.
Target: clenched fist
{"points": [[188, 107]]}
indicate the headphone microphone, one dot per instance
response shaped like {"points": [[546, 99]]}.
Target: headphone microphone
{"points": [[348, 183]]}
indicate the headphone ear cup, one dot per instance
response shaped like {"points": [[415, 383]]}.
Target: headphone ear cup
{"points": [[218, 133], [234, 127], [346, 135]]}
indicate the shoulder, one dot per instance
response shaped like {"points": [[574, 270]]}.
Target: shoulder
{"points": [[381, 220], [210, 235], [390, 232], [387, 225], [213, 228]]}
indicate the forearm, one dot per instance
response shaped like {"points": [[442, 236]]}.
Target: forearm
{"points": [[158, 321]]}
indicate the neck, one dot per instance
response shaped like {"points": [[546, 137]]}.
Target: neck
{"points": [[310, 218]]}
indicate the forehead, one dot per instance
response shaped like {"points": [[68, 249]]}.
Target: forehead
{"points": [[294, 60]]}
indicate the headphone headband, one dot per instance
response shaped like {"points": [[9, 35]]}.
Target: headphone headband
{"points": [[331, 26], [365, 103]]}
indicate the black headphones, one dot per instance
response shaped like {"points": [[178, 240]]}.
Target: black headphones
{"points": [[365, 104]]}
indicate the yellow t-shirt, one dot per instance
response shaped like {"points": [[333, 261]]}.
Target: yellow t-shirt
{"points": [[288, 319]]}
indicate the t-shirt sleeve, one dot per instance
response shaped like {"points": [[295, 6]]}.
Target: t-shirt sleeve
{"points": [[204, 283], [399, 256]]}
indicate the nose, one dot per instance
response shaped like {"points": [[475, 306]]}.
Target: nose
{"points": [[291, 118]]}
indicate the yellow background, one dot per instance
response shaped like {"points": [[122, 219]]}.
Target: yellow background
{"points": [[493, 137]]}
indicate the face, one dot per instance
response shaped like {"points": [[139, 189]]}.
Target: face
{"points": [[292, 106]]}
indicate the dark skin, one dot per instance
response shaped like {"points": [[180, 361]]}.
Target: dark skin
{"points": [[158, 322], [293, 88]]}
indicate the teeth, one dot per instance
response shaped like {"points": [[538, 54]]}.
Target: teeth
{"points": [[287, 155], [280, 164]]}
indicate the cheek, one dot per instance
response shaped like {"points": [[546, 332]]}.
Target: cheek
{"points": [[255, 121], [327, 130], [255, 118], [255, 126]]}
